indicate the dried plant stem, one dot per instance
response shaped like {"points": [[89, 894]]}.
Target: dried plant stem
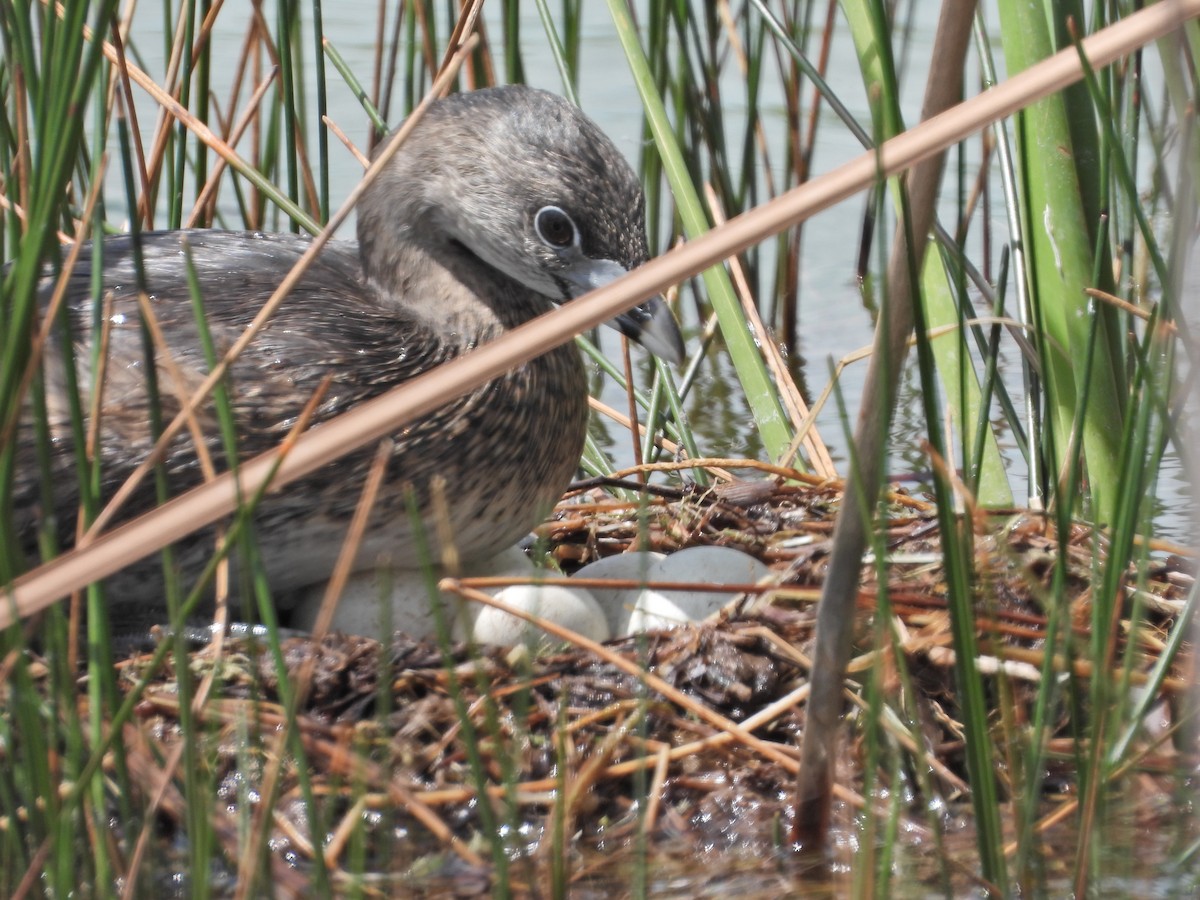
{"points": [[835, 613]]}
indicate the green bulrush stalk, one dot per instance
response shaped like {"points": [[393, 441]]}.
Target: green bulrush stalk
{"points": [[1057, 639], [318, 39], [241, 520], [57, 93], [785, 296], [177, 171], [943, 306], [572, 16], [1141, 446], [991, 381], [761, 396], [197, 790], [594, 461], [360, 93], [944, 297], [909, 716], [1104, 730], [239, 534], [962, 271], [202, 842], [288, 696], [867, 871], [59, 72], [357, 859], [639, 871], [871, 873], [754, 35], [1121, 748], [956, 536], [103, 695], [514, 68], [1122, 164], [417, 76], [650, 166], [957, 554], [698, 32], [32, 788], [203, 73], [9, 223], [40, 794], [1058, 168], [676, 427], [1026, 428], [56, 631], [1174, 54], [286, 29], [559, 852], [665, 380], [269, 153], [885, 634], [662, 388], [567, 72], [871, 31]]}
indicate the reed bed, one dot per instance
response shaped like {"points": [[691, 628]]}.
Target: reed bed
{"points": [[997, 696]]}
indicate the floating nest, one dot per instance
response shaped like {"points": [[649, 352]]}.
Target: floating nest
{"points": [[669, 746]]}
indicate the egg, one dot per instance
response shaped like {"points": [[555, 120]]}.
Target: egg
{"points": [[572, 608], [618, 603], [702, 565], [374, 603]]}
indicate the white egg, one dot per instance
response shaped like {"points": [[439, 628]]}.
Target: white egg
{"points": [[618, 603], [702, 565], [376, 602], [572, 608]]}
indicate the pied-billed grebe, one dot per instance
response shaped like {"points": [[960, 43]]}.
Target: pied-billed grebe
{"points": [[501, 203]]}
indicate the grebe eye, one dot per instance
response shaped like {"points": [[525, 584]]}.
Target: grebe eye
{"points": [[555, 228]]}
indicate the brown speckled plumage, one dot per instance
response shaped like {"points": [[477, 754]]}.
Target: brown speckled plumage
{"points": [[452, 251]]}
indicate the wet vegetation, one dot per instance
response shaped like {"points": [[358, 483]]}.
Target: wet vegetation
{"points": [[998, 698]]}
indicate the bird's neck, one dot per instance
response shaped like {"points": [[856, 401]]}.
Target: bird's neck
{"points": [[464, 298]]}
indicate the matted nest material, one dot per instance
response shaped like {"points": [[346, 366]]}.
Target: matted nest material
{"points": [[567, 737], [684, 739]]}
